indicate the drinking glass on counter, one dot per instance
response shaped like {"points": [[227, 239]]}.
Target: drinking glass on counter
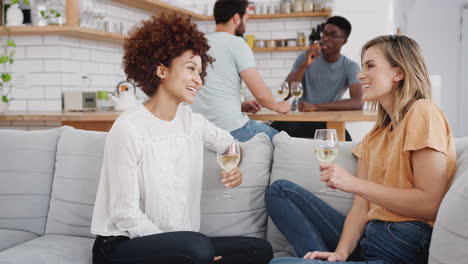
{"points": [[326, 148], [228, 159], [283, 91], [296, 92]]}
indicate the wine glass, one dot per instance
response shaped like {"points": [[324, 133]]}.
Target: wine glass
{"points": [[296, 92], [228, 159], [326, 148], [283, 91]]}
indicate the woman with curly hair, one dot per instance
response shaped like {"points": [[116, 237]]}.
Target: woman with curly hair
{"points": [[147, 206]]}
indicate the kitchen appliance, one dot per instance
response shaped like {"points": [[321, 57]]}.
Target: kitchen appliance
{"points": [[79, 101], [124, 96]]}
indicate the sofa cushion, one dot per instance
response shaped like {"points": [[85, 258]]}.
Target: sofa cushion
{"points": [[245, 214], [461, 144], [27, 160], [79, 160], [450, 232], [50, 249], [294, 160], [11, 238]]}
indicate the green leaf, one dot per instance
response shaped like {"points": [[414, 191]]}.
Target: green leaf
{"points": [[12, 53], [11, 43], [43, 14], [6, 77], [11, 61], [58, 15], [14, 2], [3, 59], [53, 11], [4, 99], [26, 2]]}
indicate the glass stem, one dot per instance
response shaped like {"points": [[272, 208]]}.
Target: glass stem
{"points": [[226, 194]]}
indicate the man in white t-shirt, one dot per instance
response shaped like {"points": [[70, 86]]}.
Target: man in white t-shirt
{"points": [[220, 98]]}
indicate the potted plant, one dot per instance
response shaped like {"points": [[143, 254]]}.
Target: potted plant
{"points": [[53, 16], [7, 49]]}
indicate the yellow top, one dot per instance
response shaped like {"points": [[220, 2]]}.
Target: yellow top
{"points": [[388, 153]]}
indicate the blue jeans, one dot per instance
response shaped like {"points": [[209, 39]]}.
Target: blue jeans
{"points": [[251, 129], [309, 224]]}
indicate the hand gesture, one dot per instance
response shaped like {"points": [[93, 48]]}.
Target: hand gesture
{"points": [[251, 106], [312, 53], [337, 177], [232, 178], [328, 256]]}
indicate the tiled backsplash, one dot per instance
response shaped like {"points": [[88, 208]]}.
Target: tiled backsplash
{"points": [[46, 65]]}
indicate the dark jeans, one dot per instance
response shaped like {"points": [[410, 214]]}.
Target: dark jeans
{"points": [[302, 129], [181, 247], [309, 224]]}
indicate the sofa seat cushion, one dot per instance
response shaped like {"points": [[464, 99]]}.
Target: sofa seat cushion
{"points": [[451, 226], [27, 160], [245, 214], [51, 249], [294, 160], [11, 238], [77, 170]]}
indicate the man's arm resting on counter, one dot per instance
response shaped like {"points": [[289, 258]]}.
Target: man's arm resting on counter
{"points": [[354, 103]]}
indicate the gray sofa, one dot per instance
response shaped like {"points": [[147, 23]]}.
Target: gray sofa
{"points": [[48, 182]]}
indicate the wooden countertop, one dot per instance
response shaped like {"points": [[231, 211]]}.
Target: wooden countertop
{"points": [[265, 115], [322, 116], [59, 116]]}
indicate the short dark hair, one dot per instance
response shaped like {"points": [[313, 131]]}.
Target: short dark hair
{"points": [[224, 10], [340, 22], [157, 41]]}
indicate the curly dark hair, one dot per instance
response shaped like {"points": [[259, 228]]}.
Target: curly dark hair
{"points": [[158, 41]]}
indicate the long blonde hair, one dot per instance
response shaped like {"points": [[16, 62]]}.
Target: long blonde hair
{"points": [[405, 53]]}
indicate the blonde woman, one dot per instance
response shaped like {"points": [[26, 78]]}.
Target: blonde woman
{"points": [[405, 165]]}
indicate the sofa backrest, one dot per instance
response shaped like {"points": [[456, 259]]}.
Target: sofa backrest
{"points": [[294, 160], [245, 214], [450, 232], [27, 160], [79, 160], [77, 170]]}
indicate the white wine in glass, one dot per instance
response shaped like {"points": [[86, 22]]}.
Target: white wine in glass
{"points": [[296, 92], [283, 91], [228, 159], [326, 147]]}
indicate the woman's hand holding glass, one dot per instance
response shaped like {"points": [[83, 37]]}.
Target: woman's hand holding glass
{"points": [[337, 177], [228, 159]]}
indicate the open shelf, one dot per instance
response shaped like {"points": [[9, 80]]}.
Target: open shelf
{"points": [[155, 6], [291, 15], [279, 49], [67, 30]]}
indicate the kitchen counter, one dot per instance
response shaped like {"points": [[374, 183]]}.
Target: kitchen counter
{"points": [[93, 120]]}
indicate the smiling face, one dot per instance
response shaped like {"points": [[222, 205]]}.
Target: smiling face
{"points": [[181, 81], [379, 78]]}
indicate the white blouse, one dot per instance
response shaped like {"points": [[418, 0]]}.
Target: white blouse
{"points": [[151, 176]]}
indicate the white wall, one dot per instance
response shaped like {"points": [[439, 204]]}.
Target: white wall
{"points": [[463, 98], [436, 26], [46, 65]]}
